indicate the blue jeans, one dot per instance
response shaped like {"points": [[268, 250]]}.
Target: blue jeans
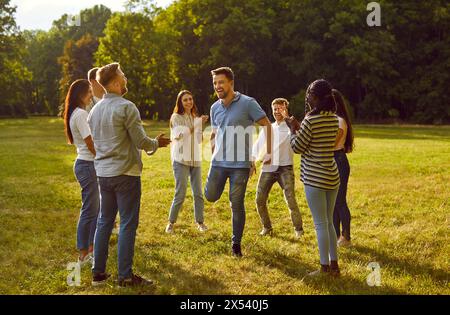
{"points": [[214, 187], [123, 194], [90, 203], [182, 173], [321, 202], [341, 210]]}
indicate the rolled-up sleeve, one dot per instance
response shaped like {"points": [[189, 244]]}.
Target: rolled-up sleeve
{"points": [[133, 124]]}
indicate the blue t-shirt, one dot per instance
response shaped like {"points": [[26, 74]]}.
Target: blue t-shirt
{"points": [[235, 130]]}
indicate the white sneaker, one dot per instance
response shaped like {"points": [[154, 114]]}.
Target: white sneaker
{"points": [[299, 233], [169, 228], [265, 231], [202, 227], [86, 260], [342, 242]]}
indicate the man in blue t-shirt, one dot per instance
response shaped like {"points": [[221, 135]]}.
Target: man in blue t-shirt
{"points": [[232, 121]]}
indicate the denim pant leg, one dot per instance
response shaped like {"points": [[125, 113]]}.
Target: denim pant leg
{"points": [[319, 203], [238, 186], [128, 191], [287, 183], [87, 178], [181, 174], [215, 183], [196, 187], [331, 201], [341, 210], [105, 223], [265, 183]]}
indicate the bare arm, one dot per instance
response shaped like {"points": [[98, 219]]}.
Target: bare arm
{"points": [[90, 144], [339, 136]]}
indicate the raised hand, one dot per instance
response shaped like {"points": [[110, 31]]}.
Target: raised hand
{"points": [[292, 123], [162, 141], [204, 118]]}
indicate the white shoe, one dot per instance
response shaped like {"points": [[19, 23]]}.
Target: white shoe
{"points": [[86, 260], [169, 228], [265, 231], [299, 233], [342, 242], [202, 227]]}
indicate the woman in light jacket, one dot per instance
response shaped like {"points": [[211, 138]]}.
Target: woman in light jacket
{"points": [[186, 134]]}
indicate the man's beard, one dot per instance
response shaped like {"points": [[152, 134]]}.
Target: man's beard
{"points": [[224, 95]]}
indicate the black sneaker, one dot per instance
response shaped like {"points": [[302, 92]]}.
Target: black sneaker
{"points": [[99, 279], [135, 280], [237, 250]]}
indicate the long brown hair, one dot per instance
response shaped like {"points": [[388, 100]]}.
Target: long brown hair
{"points": [[342, 111], [179, 109], [74, 99]]}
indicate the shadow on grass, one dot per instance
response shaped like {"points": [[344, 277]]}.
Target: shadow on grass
{"points": [[403, 132], [178, 280], [295, 268], [413, 268]]}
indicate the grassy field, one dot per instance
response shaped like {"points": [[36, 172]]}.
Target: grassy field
{"points": [[398, 195]]}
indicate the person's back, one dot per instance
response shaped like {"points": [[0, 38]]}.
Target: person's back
{"points": [[111, 121], [119, 136]]}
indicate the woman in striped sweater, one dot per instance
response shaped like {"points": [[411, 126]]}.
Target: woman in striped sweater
{"points": [[314, 139]]}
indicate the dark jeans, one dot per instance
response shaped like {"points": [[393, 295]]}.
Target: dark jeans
{"points": [[123, 194], [341, 211], [214, 187], [90, 203]]}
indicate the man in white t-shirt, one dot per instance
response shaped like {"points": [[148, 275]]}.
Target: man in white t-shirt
{"points": [[279, 170]]}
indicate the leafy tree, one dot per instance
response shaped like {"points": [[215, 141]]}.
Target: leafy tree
{"points": [[14, 76]]}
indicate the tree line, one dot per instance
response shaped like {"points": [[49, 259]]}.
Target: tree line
{"points": [[399, 70]]}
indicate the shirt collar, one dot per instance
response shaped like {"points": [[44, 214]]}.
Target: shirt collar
{"points": [[111, 95], [236, 98]]}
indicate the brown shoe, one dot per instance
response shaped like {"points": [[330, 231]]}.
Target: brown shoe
{"points": [[135, 280], [334, 269]]}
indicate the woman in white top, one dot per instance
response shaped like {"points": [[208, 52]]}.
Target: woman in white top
{"points": [[344, 144], [78, 133], [186, 134]]}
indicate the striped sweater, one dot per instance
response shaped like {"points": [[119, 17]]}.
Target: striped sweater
{"points": [[315, 142]]}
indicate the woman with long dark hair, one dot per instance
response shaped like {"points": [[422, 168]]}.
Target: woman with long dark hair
{"points": [[314, 139], [344, 144], [78, 133], [186, 135]]}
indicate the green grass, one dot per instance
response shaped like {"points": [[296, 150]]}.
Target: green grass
{"points": [[398, 196]]}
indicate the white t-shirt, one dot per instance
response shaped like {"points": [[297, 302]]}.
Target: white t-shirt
{"points": [[343, 126], [80, 131], [282, 154]]}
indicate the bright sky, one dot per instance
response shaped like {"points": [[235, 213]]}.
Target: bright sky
{"points": [[39, 14]]}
